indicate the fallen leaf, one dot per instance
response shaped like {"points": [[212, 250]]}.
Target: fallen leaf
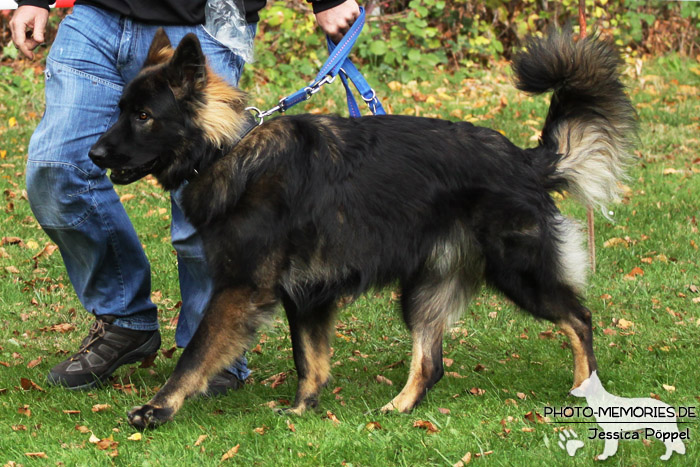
{"points": [[331, 416], [200, 439], [371, 426], [100, 407], [71, 412], [34, 363], [36, 455], [290, 425], [135, 437], [467, 458], [19, 427], [668, 387], [12, 269], [28, 384], [383, 380], [275, 380], [93, 439], [534, 417], [260, 430], [169, 352], [230, 453], [82, 428], [426, 425], [127, 197], [636, 271], [25, 410], [613, 242], [624, 324], [448, 362], [477, 391], [48, 250], [444, 411], [521, 395]]}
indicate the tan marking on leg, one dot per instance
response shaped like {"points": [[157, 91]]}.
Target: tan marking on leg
{"points": [[581, 367], [224, 334], [405, 400], [317, 371]]}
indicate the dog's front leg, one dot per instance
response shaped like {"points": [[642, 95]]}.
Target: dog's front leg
{"points": [[228, 325]]}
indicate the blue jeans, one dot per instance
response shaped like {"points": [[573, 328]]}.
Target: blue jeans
{"points": [[95, 54]]}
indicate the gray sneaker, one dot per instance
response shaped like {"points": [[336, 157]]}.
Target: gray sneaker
{"points": [[106, 348]]}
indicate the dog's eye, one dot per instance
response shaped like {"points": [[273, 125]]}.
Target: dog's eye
{"points": [[143, 116]]}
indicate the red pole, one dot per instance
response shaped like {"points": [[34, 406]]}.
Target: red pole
{"points": [[589, 211]]}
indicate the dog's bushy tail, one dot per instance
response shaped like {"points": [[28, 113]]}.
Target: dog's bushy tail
{"points": [[591, 123]]}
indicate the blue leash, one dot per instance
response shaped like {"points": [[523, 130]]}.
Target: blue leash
{"points": [[338, 63]]}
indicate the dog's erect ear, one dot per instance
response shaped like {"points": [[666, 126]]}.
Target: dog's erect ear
{"points": [[161, 49], [188, 68]]}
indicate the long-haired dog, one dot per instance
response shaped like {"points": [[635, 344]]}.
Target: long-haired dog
{"points": [[305, 209]]}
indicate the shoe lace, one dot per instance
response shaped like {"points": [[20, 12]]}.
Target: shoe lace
{"points": [[97, 330]]}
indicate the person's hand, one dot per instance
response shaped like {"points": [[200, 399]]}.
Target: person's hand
{"points": [[337, 20], [26, 18]]}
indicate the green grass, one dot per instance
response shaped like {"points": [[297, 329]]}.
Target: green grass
{"points": [[657, 222]]}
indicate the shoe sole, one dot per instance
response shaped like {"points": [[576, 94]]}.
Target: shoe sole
{"points": [[146, 350]]}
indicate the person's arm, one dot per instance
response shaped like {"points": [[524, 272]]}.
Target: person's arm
{"points": [[335, 17], [30, 15]]}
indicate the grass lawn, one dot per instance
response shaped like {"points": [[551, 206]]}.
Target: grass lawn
{"points": [[504, 368]]}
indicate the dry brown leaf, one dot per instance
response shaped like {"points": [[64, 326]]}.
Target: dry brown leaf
{"points": [[521, 395], [613, 242], [101, 407], [28, 384], [34, 363], [467, 458], [331, 416], [25, 410], [230, 453], [82, 428], [371, 426], [668, 387], [71, 412], [290, 425], [126, 197], [19, 427], [477, 391], [48, 250], [260, 430], [632, 275], [275, 380], [135, 437], [12, 269], [426, 425], [534, 417], [36, 455], [200, 439], [624, 324], [169, 352], [383, 380], [444, 411]]}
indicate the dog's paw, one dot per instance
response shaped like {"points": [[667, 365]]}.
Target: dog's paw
{"points": [[297, 411], [147, 416]]}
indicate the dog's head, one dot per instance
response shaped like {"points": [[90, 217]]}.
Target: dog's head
{"points": [[173, 116]]}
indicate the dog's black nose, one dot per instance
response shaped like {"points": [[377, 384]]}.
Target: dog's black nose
{"points": [[98, 153]]}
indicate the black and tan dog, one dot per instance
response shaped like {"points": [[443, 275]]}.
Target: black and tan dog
{"points": [[304, 209]]}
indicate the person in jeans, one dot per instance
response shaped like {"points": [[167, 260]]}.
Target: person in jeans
{"points": [[98, 49]]}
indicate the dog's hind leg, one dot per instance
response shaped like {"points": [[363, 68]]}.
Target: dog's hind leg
{"points": [[229, 324], [542, 275], [429, 305], [310, 331]]}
